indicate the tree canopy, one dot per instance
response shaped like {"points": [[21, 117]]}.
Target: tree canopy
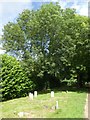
{"points": [[52, 42]]}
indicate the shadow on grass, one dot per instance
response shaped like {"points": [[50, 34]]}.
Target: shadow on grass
{"points": [[65, 89]]}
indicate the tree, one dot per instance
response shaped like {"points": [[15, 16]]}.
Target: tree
{"points": [[52, 41], [81, 54]]}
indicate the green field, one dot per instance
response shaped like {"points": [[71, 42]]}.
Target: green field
{"points": [[71, 105]]}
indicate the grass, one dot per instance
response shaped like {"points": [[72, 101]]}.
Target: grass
{"points": [[71, 105]]}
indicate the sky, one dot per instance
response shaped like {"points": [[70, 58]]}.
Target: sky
{"points": [[10, 9]]}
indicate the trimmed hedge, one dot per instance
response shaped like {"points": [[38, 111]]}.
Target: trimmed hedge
{"points": [[14, 81]]}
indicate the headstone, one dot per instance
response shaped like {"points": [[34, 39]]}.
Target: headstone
{"points": [[31, 96], [20, 114], [56, 104], [26, 113], [35, 93], [52, 93]]}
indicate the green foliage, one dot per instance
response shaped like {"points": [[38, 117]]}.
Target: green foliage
{"points": [[14, 81], [50, 41], [71, 82]]}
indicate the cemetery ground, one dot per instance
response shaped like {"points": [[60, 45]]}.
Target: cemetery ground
{"points": [[71, 105]]}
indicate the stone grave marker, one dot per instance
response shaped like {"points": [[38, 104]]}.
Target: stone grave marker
{"points": [[31, 96], [35, 93], [52, 93], [20, 114], [56, 104]]}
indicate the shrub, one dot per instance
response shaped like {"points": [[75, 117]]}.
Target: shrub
{"points": [[14, 81]]}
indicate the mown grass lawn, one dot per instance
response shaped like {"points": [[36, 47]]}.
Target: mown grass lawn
{"points": [[71, 105]]}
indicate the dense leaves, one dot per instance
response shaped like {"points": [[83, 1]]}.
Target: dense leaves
{"points": [[52, 43], [14, 82]]}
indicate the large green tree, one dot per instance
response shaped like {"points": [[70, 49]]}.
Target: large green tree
{"points": [[52, 41]]}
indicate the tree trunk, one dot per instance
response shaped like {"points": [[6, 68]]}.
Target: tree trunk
{"points": [[80, 80]]}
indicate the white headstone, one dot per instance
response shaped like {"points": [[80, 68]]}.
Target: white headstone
{"points": [[20, 114], [31, 96], [52, 93], [56, 104], [35, 93]]}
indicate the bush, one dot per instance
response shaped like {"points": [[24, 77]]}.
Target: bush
{"points": [[14, 81]]}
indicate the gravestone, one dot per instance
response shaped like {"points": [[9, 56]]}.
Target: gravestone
{"points": [[31, 96], [35, 93], [56, 105], [20, 114], [52, 93]]}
